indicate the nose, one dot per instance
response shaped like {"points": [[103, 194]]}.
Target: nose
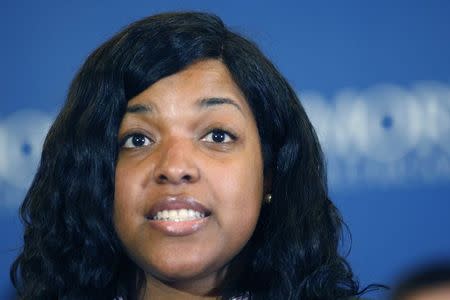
{"points": [[176, 164]]}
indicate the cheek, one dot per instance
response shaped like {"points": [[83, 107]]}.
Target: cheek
{"points": [[128, 183], [240, 191], [126, 207], [121, 188]]}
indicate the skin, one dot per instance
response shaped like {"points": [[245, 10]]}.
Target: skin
{"points": [[181, 157], [432, 293]]}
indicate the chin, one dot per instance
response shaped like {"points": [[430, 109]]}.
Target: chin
{"points": [[180, 272]]}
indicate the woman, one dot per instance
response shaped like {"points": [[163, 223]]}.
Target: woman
{"points": [[181, 166]]}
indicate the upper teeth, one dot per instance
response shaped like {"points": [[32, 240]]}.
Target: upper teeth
{"points": [[178, 215]]}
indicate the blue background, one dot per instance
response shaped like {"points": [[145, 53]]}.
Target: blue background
{"points": [[323, 48]]}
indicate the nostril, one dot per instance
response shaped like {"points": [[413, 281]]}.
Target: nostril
{"points": [[187, 177], [162, 178]]}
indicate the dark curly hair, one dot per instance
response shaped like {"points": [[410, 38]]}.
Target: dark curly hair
{"points": [[71, 250]]}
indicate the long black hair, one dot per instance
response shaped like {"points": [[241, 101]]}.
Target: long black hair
{"points": [[71, 250]]}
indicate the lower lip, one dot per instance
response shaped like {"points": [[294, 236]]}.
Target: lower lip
{"points": [[180, 228]]}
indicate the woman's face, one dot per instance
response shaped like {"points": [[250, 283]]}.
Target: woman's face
{"points": [[189, 177]]}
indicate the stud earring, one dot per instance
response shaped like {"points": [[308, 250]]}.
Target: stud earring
{"points": [[268, 198]]}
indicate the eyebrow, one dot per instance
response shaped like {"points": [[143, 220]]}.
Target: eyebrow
{"points": [[202, 103]]}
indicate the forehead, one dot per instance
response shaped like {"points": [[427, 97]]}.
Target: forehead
{"points": [[208, 79]]}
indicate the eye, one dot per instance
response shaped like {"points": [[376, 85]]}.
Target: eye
{"points": [[218, 135], [135, 140]]}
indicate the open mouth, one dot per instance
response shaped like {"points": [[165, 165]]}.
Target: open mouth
{"points": [[179, 215], [181, 208]]}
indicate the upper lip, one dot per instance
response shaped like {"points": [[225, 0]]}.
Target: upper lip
{"points": [[177, 202]]}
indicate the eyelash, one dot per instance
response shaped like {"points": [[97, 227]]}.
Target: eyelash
{"points": [[126, 138]]}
